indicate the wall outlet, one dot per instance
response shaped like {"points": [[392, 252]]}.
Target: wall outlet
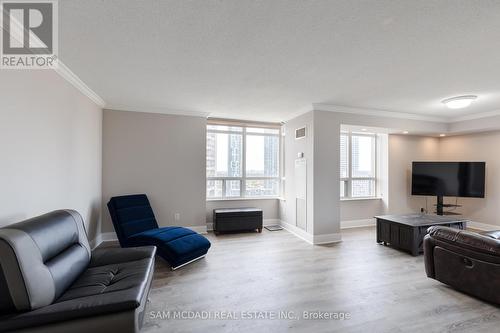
{"points": [[177, 216]]}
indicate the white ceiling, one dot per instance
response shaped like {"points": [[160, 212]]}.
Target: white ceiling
{"points": [[268, 59]]}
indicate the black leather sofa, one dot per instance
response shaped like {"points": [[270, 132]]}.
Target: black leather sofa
{"points": [[467, 261], [51, 281]]}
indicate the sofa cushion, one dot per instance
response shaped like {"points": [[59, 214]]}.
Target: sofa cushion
{"points": [[41, 257], [107, 255], [54, 232], [113, 277], [66, 267], [466, 239], [114, 287]]}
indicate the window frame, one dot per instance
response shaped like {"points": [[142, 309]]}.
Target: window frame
{"points": [[348, 180], [243, 177]]}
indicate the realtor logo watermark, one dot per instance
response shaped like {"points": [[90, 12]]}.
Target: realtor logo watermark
{"points": [[29, 34]]}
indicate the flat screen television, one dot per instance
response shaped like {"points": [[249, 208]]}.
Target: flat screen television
{"points": [[452, 179]]}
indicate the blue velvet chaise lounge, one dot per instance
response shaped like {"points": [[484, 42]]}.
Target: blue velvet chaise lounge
{"points": [[135, 225]]}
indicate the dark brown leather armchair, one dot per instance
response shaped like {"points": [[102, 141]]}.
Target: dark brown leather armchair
{"points": [[467, 261]]}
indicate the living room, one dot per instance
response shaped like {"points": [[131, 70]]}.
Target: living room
{"points": [[244, 165]]}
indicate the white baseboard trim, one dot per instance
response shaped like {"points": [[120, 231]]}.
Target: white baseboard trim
{"points": [[101, 238], [266, 222], [201, 229], [482, 226], [357, 223], [297, 232], [327, 239], [109, 237], [95, 242], [311, 239]]}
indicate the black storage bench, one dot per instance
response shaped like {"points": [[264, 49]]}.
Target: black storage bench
{"points": [[237, 219]]}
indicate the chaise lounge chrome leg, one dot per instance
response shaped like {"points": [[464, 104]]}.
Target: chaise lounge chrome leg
{"points": [[186, 263]]}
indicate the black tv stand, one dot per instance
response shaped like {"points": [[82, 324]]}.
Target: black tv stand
{"points": [[440, 205]]}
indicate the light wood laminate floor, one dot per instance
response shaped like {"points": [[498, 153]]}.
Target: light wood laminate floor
{"points": [[383, 289]]}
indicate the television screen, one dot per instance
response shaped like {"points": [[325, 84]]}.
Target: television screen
{"points": [[452, 179]]}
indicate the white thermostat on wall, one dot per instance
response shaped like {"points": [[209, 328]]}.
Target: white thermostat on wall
{"points": [[300, 133]]}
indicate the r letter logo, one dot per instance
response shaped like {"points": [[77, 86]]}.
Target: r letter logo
{"points": [[29, 34]]}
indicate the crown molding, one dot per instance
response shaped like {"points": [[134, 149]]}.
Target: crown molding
{"points": [[298, 113], [61, 68], [72, 78], [377, 113], [474, 116], [244, 118], [158, 110]]}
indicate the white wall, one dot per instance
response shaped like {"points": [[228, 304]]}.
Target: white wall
{"points": [[322, 151], [160, 155], [326, 173], [50, 148], [361, 209], [403, 150], [292, 148], [477, 147]]}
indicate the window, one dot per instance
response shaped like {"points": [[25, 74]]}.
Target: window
{"points": [[242, 161], [357, 165]]}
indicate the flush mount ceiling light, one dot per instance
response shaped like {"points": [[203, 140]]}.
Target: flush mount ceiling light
{"points": [[459, 102]]}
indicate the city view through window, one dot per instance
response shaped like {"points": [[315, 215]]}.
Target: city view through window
{"points": [[357, 165], [242, 162]]}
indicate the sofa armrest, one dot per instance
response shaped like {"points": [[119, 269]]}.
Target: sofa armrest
{"points": [[107, 256], [429, 256], [465, 239], [495, 234]]}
